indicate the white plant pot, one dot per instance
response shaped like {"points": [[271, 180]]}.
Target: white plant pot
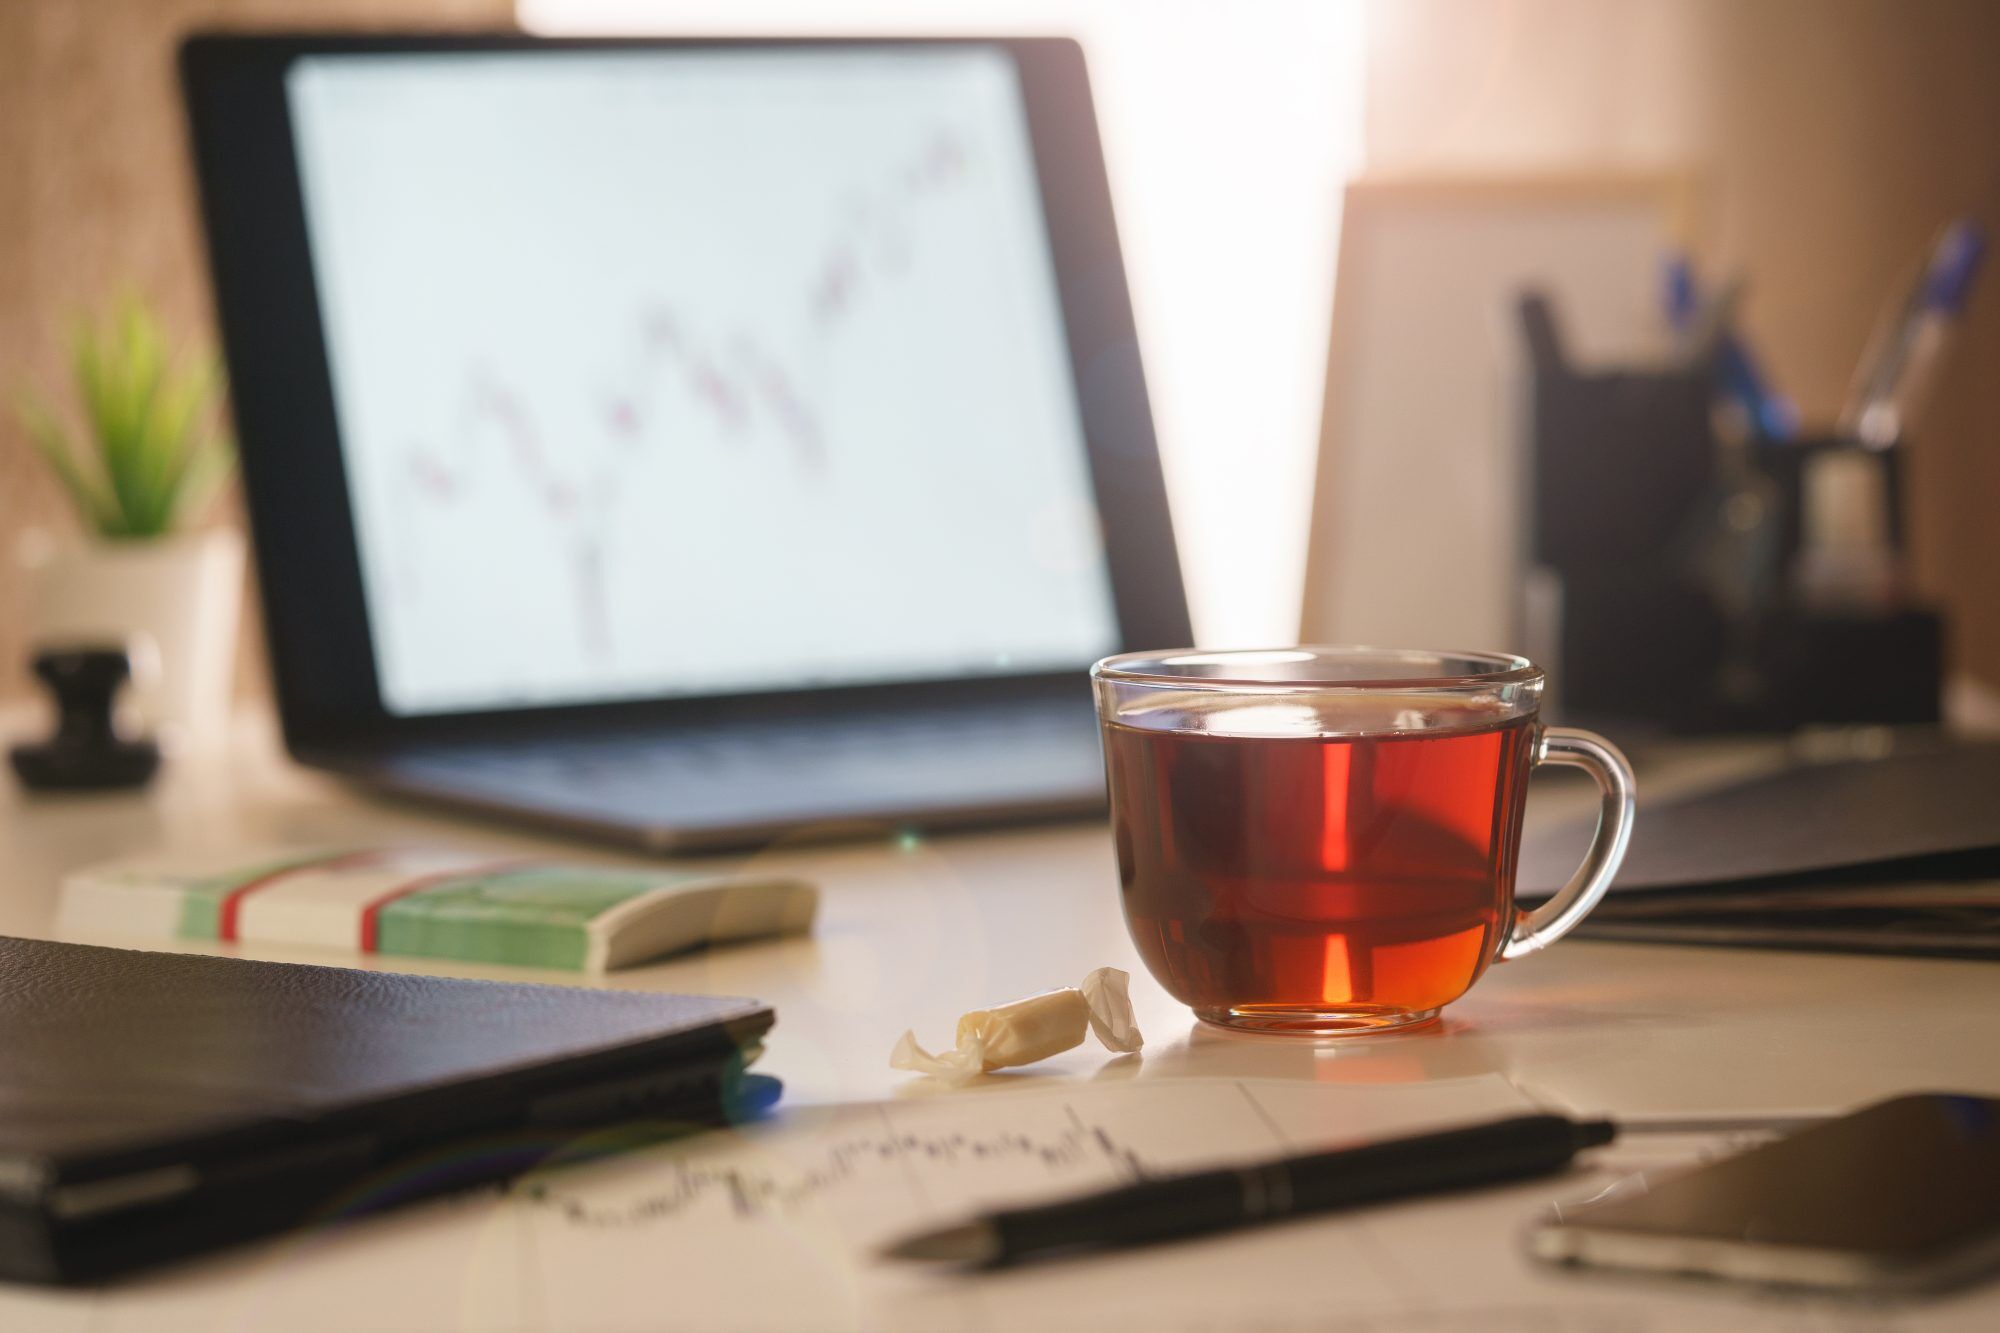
{"points": [[173, 602]]}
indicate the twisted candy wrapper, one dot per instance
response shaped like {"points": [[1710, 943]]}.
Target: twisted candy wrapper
{"points": [[1032, 1029]]}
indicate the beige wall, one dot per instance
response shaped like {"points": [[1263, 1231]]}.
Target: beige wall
{"points": [[1831, 139], [95, 194]]}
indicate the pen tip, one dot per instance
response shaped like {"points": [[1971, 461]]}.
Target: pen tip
{"points": [[1595, 1133], [967, 1243]]}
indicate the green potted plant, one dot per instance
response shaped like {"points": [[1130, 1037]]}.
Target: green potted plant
{"points": [[140, 455]]}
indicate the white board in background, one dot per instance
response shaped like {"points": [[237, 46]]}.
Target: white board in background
{"points": [[1419, 509]]}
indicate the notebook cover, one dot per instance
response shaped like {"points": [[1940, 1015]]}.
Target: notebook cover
{"points": [[1926, 811], [115, 1063]]}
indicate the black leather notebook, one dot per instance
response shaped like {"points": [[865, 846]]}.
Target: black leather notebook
{"points": [[156, 1104]]}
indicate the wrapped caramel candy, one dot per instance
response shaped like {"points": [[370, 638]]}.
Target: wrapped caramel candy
{"points": [[1032, 1029]]}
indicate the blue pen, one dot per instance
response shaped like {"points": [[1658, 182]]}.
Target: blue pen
{"points": [[1771, 415], [1906, 352]]}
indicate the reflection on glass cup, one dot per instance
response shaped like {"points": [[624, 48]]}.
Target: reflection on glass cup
{"points": [[1323, 840]]}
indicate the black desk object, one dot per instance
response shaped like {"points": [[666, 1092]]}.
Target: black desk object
{"points": [[1665, 612], [1896, 855], [86, 753], [154, 1105]]}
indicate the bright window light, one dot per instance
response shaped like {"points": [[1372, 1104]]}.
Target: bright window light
{"points": [[1230, 127]]}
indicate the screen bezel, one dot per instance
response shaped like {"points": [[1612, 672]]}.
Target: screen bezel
{"points": [[295, 487]]}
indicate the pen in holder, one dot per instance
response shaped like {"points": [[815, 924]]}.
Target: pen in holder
{"points": [[1704, 582]]}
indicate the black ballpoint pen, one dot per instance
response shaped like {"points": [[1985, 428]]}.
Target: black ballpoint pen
{"points": [[1242, 1196]]}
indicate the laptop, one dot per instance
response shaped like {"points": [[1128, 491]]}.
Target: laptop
{"points": [[684, 442]]}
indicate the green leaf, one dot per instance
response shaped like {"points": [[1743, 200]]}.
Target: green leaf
{"points": [[177, 439], [151, 455], [56, 448], [138, 370], [208, 469]]}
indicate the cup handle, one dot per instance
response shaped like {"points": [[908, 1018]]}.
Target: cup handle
{"points": [[1558, 916]]}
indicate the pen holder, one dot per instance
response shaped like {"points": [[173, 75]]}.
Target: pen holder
{"points": [[1619, 465], [1845, 596], [1832, 667], [1675, 568]]}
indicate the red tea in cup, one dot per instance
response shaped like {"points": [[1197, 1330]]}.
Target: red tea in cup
{"points": [[1322, 859]]}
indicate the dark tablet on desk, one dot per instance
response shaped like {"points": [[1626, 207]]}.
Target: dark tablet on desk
{"points": [[153, 1105], [1908, 811], [1898, 854]]}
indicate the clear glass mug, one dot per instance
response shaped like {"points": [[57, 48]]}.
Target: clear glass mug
{"points": [[1324, 840]]}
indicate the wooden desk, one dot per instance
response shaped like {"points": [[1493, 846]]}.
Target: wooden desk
{"points": [[913, 934]]}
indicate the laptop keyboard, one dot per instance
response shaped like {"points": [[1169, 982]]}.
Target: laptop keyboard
{"points": [[766, 771]]}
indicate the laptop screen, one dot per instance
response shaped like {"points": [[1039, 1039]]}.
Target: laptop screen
{"points": [[696, 372]]}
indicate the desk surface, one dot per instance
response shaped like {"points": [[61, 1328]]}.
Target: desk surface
{"points": [[912, 934]]}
